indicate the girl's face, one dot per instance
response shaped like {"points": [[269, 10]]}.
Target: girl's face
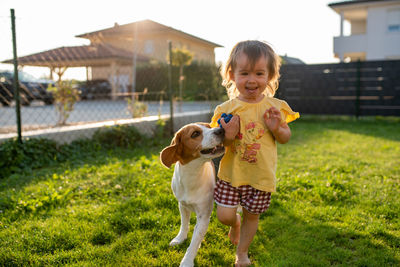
{"points": [[251, 82]]}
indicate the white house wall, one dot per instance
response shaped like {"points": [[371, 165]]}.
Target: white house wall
{"points": [[382, 44], [377, 42]]}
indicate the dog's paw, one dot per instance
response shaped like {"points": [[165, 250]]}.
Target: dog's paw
{"points": [[186, 263], [176, 241]]}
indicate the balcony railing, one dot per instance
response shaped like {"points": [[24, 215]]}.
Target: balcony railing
{"points": [[350, 44]]}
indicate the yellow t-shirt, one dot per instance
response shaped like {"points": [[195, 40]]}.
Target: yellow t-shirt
{"points": [[252, 158]]}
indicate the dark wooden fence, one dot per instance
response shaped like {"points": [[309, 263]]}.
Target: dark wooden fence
{"points": [[365, 88]]}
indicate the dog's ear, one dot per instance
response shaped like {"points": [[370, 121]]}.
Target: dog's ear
{"points": [[171, 154], [168, 156]]}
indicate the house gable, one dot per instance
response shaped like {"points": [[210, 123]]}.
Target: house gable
{"points": [[151, 40]]}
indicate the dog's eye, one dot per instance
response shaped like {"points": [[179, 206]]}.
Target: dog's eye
{"points": [[195, 134]]}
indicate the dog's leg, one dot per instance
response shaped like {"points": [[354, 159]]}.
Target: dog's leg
{"points": [[198, 235], [183, 231]]}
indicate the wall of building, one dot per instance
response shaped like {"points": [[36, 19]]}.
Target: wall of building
{"points": [[156, 45], [382, 44]]}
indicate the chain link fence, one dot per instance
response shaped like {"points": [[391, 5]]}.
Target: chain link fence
{"points": [[145, 68], [129, 71]]}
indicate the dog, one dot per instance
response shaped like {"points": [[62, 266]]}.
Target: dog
{"points": [[192, 149]]}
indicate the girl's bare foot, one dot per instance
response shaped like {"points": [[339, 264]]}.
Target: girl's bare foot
{"points": [[242, 260], [234, 231]]}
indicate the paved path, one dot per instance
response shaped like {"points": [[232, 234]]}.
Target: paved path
{"points": [[38, 115]]}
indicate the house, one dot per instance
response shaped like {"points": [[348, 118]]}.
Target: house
{"points": [[114, 53], [291, 60], [150, 39], [375, 30]]}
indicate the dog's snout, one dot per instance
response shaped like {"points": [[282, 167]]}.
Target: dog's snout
{"points": [[220, 132]]}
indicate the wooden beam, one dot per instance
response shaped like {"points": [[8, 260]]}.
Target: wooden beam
{"points": [[113, 80], [51, 73], [60, 72]]}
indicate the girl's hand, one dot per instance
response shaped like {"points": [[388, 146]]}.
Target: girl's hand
{"points": [[272, 118], [231, 128], [279, 129]]}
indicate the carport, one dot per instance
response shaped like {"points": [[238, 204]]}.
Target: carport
{"points": [[58, 60]]}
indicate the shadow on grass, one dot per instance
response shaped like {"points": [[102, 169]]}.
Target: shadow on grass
{"points": [[386, 128], [286, 239], [94, 159], [52, 190]]}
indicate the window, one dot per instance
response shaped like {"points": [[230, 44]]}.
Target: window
{"points": [[148, 47], [393, 20]]}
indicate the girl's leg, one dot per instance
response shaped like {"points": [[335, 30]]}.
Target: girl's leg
{"points": [[247, 232], [228, 216]]}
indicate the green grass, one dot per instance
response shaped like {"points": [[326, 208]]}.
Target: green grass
{"points": [[338, 203]]}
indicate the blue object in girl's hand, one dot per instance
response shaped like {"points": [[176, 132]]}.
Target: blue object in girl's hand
{"points": [[226, 117]]}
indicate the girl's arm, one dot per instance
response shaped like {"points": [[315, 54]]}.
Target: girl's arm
{"points": [[279, 129], [231, 129]]}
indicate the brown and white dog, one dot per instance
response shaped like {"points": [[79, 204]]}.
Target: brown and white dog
{"points": [[193, 181]]}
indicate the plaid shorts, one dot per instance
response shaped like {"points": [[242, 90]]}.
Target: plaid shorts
{"points": [[253, 200]]}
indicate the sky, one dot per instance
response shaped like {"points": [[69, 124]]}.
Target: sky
{"points": [[301, 29]]}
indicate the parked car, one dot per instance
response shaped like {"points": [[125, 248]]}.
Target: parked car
{"points": [[31, 88], [95, 89]]}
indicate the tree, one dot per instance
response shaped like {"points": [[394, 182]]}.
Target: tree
{"points": [[65, 96], [180, 58]]}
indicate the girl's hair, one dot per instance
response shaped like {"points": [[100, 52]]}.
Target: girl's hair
{"points": [[253, 50]]}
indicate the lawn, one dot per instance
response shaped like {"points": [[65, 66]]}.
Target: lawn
{"points": [[337, 203]]}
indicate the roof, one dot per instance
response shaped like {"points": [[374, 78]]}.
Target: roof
{"points": [[353, 2], [291, 60], [146, 25], [77, 56]]}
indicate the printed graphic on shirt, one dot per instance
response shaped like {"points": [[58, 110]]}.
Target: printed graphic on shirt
{"points": [[247, 144]]}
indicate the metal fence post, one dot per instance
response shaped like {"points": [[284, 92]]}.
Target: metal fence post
{"points": [[171, 93], [16, 80], [134, 62]]}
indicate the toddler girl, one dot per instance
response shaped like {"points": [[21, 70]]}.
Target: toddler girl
{"points": [[247, 170]]}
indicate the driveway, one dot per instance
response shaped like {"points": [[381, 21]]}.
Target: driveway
{"points": [[39, 116]]}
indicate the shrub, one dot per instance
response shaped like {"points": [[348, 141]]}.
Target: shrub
{"points": [[33, 153], [65, 97], [137, 108], [161, 132], [202, 81], [39, 152], [119, 136]]}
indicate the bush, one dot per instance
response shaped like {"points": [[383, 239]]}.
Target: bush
{"points": [[161, 132], [137, 108], [202, 81], [37, 153], [32, 154], [65, 97], [119, 136]]}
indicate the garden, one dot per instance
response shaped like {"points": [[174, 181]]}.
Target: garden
{"points": [[107, 201]]}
